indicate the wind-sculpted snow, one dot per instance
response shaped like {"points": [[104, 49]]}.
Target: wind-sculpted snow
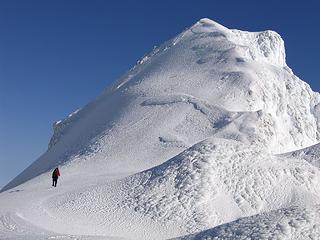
{"points": [[212, 183], [60, 127], [289, 223], [210, 127], [217, 181], [217, 116], [265, 46], [310, 154]]}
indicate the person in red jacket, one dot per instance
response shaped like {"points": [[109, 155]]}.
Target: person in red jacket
{"points": [[55, 176]]}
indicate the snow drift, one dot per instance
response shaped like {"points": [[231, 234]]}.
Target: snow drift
{"points": [[204, 130]]}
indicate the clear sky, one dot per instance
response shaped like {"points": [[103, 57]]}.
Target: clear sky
{"points": [[56, 56]]}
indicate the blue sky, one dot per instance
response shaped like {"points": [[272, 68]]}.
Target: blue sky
{"points": [[56, 56]]}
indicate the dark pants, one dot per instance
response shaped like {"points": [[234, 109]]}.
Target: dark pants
{"points": [[54, 182]]}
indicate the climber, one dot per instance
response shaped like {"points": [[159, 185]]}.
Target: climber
{"points": [[55, 176]]}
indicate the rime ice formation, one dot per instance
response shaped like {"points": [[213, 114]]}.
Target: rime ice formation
{"points": [[209, 135]]}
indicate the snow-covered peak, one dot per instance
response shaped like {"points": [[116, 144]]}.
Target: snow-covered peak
{"points": [[207, 81], [266, 46], [183, 142], [209, 25]]}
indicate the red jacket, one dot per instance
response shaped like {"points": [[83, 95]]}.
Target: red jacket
{"points": [[56, 173]]}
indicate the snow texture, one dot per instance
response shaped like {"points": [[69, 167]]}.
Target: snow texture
{"points": [[289, 223], [209, 136]]}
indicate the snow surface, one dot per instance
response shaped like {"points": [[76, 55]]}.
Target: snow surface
{"points": [[209, 136], [289, 223], [309, 154]]}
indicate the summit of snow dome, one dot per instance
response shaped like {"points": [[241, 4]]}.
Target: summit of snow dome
{"points": [[265, 46], [206, 22]]}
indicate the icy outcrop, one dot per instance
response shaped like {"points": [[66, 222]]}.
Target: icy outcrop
{"points": [[60, 128], [265, 46]]}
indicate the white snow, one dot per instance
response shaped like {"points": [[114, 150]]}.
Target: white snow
{"points": [[309, 154], [288, 223], [210, 136]]}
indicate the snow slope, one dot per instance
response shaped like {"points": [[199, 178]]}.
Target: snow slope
{"points": [[289, 223], [310, 154], [194, 136]]}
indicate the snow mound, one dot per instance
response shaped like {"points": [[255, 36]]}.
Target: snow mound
{"points": [[217, 181], [288, 223]]}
